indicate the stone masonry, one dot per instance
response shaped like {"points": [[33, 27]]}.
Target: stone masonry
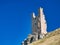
{"points": [[39, 28]]}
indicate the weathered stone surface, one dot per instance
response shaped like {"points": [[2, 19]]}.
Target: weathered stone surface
{"points": [[39, 24], [39, 28], [43, 22]]}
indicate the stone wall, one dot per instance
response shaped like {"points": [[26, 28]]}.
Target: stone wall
{"points": [[39, 27]]}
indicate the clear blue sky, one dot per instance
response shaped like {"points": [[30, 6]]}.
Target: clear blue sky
{"points": [[15, 18]]}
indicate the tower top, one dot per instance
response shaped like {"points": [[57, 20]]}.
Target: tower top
{"points": [[33, 15], [40, 11]]}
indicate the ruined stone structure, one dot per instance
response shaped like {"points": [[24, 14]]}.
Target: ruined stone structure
{"points": [[39, 28]]}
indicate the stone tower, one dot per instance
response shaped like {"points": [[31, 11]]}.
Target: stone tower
{"points": [[39, 28], [39, 23]]}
